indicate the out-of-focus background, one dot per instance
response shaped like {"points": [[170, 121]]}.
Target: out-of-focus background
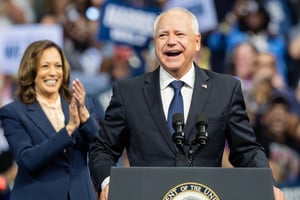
{"points": [[256, 41]]}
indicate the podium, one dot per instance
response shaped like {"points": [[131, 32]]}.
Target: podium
{"points": [[190, 183]]}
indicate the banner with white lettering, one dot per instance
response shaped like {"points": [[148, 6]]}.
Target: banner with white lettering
{"points": [[15, 39], [203, 9], [126, 24]]}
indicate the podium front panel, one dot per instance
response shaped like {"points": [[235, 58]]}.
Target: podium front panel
{"points": [[190, 183]]}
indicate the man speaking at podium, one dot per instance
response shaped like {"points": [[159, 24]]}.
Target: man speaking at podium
{"points": [[202, 108]]}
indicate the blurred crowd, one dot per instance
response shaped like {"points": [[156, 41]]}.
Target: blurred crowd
{"points": [[257, 41]]}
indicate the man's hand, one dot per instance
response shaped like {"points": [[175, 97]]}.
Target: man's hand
{"points": [[104, 193], [278, 194]]}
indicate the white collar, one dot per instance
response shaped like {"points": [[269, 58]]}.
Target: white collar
{"points": [[166, 78]]}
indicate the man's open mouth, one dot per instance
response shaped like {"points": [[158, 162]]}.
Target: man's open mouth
{"points": [[173, 53]]}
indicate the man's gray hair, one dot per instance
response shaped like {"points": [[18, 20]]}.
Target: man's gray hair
{"points": [[194, 21]]}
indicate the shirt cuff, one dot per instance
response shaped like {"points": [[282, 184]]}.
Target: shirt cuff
{"points": [[105, 182]]}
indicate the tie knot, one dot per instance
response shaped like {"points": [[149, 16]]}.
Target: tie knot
{"points": [[177, 85]]}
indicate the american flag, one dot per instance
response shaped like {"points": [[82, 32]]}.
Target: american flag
{"points": [[204, 86]]}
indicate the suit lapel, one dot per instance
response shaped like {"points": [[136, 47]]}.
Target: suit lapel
{"points": [[199, 97], [65, 109], [154, 102], [39, 118]]}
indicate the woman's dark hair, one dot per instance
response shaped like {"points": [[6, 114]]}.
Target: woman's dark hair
{"points": [[254, 7]]}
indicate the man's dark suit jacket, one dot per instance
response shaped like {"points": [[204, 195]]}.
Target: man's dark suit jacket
{"points": [[135, 120], [51, 165]]}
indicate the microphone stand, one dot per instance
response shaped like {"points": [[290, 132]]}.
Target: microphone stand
{"points": [[180, 141], [190, 154], [200, 140]]}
